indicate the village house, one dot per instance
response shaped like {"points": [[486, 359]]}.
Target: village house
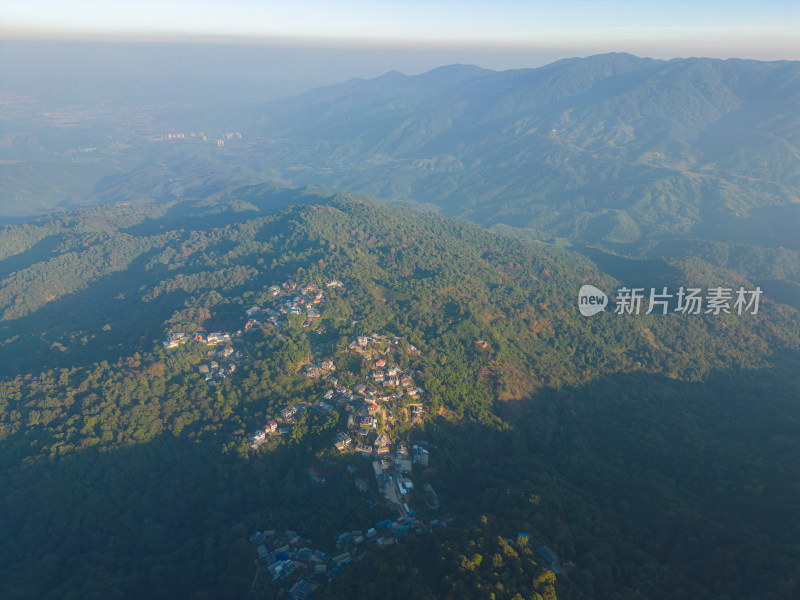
{"points": [[257, 439], [175, 340], [420, 455], [281, 569], [217, 338], [342, 441], [311, 371]]}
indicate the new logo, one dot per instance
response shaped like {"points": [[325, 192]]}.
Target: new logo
{"points": [[591, 300]]}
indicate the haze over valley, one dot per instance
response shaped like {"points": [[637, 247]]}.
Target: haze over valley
{"points": [[475, 306]]}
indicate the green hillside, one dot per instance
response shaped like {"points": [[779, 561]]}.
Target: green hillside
{"points": [[652, 453]]}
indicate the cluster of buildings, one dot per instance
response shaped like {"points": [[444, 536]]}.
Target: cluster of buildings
{"points": [[298, 300], [372, 406], [220, 141], [321, 369], [212, 339], [371, 409], [374, 350], [220, 363], [260, 435], [393, 475], [290, 558], [281, 425], [222, 369]]}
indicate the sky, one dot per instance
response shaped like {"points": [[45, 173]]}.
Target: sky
{"points": [[765, 26], [297, 44]]}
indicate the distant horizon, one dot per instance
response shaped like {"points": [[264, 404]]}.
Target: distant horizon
{"points": [[725, 25], [287, 47], [237, 70]]}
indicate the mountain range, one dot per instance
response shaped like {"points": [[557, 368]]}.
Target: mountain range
{"points": [[610, 147]]}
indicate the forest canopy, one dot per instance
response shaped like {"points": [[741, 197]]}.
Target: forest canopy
{"points": [[653, 452]]}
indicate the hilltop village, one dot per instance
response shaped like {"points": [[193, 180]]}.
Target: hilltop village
{"points": [[387, 394], [371, 408]]}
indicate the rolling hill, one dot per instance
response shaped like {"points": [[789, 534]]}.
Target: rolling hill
{"points": [[653, 452]]}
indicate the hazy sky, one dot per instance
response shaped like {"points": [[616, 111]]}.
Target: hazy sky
{"points": [[744, 27], [289, 45]]}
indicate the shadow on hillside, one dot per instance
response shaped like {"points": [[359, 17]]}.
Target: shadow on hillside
{"points": [[38, 252], [229, 207], [697, 480], [681, 489], [168, 518], [77, 322]]}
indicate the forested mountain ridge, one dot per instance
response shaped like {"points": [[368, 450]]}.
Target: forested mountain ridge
{"points": [[608, 147], [653, 452]]}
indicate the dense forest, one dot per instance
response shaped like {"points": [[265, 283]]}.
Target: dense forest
{"points": [[653, 452]]}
